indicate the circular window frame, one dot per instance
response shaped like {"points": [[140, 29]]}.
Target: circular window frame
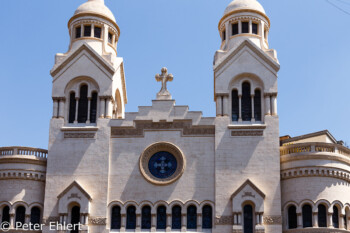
{"points": [[158, 147]]}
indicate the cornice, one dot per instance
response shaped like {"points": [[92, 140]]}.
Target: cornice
{"points": [[22, 174], [26, 159], [243, 11]]}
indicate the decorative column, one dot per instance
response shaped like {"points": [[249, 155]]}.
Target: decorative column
{"points": [[82, 219], [12, 221], [234, 218], [76, 109], [102, 107], [109, 108], [257, 219], [89, 109], [138, 222], [330, 220], [55, 108], [267, 104], [250, 27], [61, 108], [168, 223], [225, 105], [93, 30], [341, 221], [315, 219], [253, 115], [219, 105], [184, 223], [274, 104], [153, 223], [123, 223], [65, 216], [227, 26], [199, 222], [239, 27], [299, 220], [239, 218], [27, 219], [86, 219], [240, 108]]}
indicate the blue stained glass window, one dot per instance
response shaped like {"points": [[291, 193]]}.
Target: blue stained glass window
{"points": [[146, 217], [131, 217], [207, 217], [161, 217], [162, 165], [191, 217], [176, 217]]}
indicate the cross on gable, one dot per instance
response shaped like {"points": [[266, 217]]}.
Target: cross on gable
{"points": [[164, 77]]}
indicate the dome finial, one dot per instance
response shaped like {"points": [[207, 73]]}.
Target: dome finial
{"points": [[103, 1]]}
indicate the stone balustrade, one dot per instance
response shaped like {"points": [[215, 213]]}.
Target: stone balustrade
{"points": [[25, 151], [314, 147], [316, 230]]}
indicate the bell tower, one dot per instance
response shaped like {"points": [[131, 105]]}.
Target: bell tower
{"points": [[247, 126]]}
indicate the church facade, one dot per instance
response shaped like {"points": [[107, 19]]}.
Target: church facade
{"points": [[165, 168]]}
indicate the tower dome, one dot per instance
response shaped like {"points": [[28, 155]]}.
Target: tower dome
{"points": [[94, 24], [238, 5], [95, 7], [242, 20]]}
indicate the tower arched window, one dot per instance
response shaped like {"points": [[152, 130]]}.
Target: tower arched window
{"points": [[161, 217], [292, 217], [93, 107], [72, 107], [131, 217], [257, 105], [176, 217], [235, 105], [20, 215], [322, 216], [83, 104], [307, 216], [75, 218], [115, 218], [192, 217], [5, 216], [146, 217], [248, 220], [335, 217], [35, 215], [207, 214], [246, 102]]}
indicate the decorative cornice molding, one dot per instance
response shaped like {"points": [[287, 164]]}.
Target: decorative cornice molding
{"points": [[315, 171], [80, 135], [247, 133], [185, 126], [22, 174]]}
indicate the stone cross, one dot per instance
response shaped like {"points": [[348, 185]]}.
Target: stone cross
{"points": [[164, 94]]}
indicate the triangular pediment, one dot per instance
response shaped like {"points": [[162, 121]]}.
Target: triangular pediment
{"points": [[71, 187], [322, 136], [84, 48], [247, 44], [247, 187]]}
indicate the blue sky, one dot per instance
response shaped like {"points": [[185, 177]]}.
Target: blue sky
{"points": [[311, 38]]}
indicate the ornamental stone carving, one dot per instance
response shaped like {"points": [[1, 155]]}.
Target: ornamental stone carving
{"points": [[253, 133], [224, 220], [272, 220], [97, 221], [79, 135]]}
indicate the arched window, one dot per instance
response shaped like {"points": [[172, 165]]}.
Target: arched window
{"points": [[93, 107], [131, 217], [6, 216], [235, 105], [146, 217], [257, 105], [207, 220], [75, 218], [20, 215], [115, 218], [35, 215], [161, 217], [307, 216], [322, 216], [176, 217], [246, 102], [72, 107], [345, 222], [192, 217], [335, 217], [292, 217], [83, 104], [248, 220]]}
